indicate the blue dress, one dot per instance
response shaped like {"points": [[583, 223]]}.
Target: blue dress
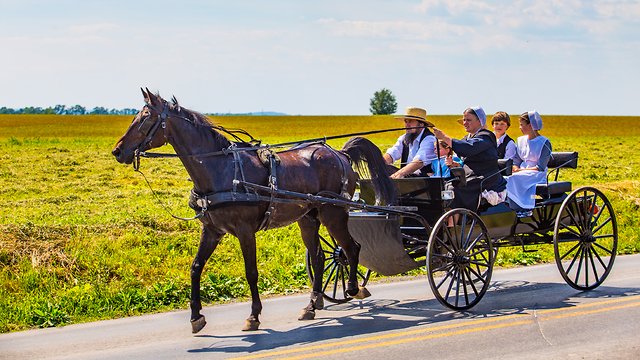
{"points": [[443, 169]]}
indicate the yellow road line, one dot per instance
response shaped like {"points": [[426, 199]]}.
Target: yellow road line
{"points": [[443, 327]]}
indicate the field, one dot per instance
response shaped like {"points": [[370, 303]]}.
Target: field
{"points": [[82, 238]]}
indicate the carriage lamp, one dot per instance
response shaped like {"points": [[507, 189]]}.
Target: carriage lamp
{"points": [[447, 194]]}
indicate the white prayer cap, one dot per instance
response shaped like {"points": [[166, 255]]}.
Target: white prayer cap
{"points": [[535, 120], [481, 115]]}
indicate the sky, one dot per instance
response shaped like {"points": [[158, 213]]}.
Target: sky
{"points": [[563, 57]]}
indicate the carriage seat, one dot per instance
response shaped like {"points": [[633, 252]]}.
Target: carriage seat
{"points": [[559, 160]]}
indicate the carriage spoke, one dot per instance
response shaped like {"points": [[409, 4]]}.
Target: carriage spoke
{"points": [[455, 274], [593, 264], [577, 223], [599, 258], [592, 208], [441, 268], [579, 265], [343, 272], [479, 252], [570, 251], [600, 226], [457, 287], [445, 277], [335, 282], [333, 269], [464, 287], [451, 237], [441, 242], [475, 241], [471, 282], [603, 248], [570, 229], [574, 259], [471, 228], [586, 266], [330, 245], [477, 274]]}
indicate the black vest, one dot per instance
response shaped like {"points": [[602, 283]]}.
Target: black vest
{"points": [[405, 148], [502, 149]]}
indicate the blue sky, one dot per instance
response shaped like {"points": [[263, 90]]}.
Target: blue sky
{"points": [[324, 57]]}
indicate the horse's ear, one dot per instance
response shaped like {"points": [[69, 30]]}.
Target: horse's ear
{"points": [[153, 99], [145, 95]]}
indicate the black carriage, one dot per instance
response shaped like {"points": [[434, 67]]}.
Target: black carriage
{"points": [[458, 247]]}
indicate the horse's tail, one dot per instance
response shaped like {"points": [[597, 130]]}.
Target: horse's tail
{"points": [[360, 151]]}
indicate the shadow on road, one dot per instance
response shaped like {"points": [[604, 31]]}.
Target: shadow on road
{"points": [[370, 317]]}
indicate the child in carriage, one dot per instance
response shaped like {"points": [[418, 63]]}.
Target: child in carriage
{"points": [[506, 146], [530, 165], [440, 167]]}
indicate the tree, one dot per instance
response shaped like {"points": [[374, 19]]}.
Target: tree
{"points": [[383, 103]]}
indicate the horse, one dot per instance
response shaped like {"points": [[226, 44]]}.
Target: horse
{"points": [[313, 168]]}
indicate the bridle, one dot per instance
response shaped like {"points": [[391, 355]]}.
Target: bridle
{"points": [[149, 130]]}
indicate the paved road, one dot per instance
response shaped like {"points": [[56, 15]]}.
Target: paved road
{"points": [[528, 313]]}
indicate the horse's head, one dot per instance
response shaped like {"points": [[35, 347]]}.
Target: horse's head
{"points": [[143, 133]]}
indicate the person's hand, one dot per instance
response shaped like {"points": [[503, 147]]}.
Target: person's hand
{"points": [[515, 169], [448, 161], [441, 136], [397, 175]]}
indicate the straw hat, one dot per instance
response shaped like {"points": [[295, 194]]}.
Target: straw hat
{"points": [[416, 114]]}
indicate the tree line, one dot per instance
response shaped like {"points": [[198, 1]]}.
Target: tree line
{"points": [[64, 110]]}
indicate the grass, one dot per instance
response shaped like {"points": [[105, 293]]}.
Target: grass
{"points": [[82, 239]]}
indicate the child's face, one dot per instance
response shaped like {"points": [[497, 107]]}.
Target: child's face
{"points": [[500, 127], [443, 150]]}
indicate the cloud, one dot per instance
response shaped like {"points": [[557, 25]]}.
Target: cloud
{"points": [[394, 29], [92, 29]]}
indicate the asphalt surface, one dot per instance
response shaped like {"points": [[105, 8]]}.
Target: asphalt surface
{"points": [[528, 313]]}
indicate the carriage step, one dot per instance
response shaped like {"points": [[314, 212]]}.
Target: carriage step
{"points": [[412, 228], [402, 208]]}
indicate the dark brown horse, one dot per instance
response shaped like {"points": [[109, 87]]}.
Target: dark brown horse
{"points": [[311, 169]]}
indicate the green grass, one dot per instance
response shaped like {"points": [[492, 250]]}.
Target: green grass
{"points": [[82, 238]]}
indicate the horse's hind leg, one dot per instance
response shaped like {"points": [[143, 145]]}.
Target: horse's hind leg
{"points": [[309, 226], [335, 220], [247, 240], [209, 239]]}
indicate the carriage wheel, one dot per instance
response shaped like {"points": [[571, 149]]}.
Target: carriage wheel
{"points": [[460, 259], [336, 272], [585, 238]]}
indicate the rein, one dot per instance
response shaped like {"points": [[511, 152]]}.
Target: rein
{"points": [[231, 149]]}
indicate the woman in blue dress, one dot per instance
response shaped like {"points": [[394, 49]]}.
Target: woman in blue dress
{"points": [[530, 165]]}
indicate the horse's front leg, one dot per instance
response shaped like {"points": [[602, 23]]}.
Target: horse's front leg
{"points": [[247, 240], [309, 226], [209, 239]]}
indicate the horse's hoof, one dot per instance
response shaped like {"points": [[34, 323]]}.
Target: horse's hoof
{"points": [[251, 325], [362, 293], [198, 324], [318, 300], [307, 315]]}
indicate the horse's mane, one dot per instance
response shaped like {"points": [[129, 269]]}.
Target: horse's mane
{"points": [[201, 121]]}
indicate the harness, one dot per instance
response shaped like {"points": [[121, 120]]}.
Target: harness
{"points": [[269, 158]]}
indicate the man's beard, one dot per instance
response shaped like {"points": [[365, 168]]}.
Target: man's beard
{"points": [[409, 138]]}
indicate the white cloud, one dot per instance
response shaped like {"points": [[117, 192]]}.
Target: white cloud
{"points": [[394, 29], [92, 29]]}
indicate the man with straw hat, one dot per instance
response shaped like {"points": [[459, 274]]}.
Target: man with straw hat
{"points": [[415, 148]]}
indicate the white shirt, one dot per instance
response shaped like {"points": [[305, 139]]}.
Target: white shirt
{"points": [[424, 151], [510, 151]]}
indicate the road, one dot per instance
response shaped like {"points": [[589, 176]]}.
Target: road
{"points": [[528, 313]]}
